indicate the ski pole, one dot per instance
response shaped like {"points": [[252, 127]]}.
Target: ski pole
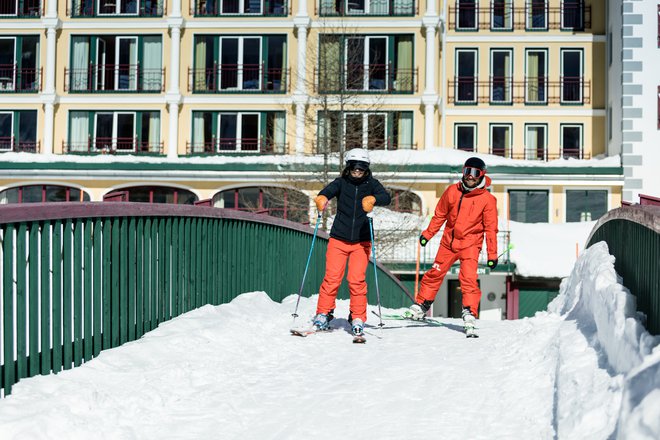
{"points": [[309, 257], [508, 248], [373, 253]]}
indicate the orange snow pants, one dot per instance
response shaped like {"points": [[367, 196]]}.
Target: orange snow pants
{"points": [[357, 255], [433, 277]]}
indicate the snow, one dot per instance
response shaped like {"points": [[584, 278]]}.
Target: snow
{"points": [[440, 156], [584, 370]]}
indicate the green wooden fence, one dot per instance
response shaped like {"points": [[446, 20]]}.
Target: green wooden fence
{"points": [[78, 278], [632, 235]]}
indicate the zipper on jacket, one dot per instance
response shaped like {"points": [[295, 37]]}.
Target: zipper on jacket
{"points": [[354, 209], [451, 244]]}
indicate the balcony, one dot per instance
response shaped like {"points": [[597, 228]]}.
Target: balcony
{"points": [[114, 78], [389, 144], [236, 145], [238, 78], [15, 80], [533, 90], [118, 145], [11, 144], [570, 16], [366, 78], [540, 154], [366, 8], [216, 8], [116, 8], [24, 9]]}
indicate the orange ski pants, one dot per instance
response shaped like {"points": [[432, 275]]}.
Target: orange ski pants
{"points": [[336, 256], [433, 277]]}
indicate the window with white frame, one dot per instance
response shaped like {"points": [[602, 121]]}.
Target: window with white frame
{"points": [[466, 76], [536, 72], [500, 139], [571, 76], [466, 14], [502, 15], [537, 14], [572, 15], [529, 206], [500, 74], [536, 138], [585, 205], [571, 140], [465, 137]]}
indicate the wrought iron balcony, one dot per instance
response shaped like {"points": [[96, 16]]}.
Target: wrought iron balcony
{"points": [[114, 78], [118, 145], [366, 8], [365, 78], [11, 144], [116, 8], [24, 9], [533, 90], [389, 144], [23, 80], [217, 8], [570, 16], [238, 78], [237, 145], [542, 154]]}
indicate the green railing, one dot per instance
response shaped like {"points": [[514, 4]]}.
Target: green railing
{"points": [[79, 278], [632, 235]]}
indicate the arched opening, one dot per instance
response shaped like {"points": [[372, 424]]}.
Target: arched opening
{"points": [[154, 194], [42, 193], [285, 203], [405, 201]]}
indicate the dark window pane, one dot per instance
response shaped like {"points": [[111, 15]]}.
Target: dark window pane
{"points": [[465, 137], [528, 206], [585, 205]]}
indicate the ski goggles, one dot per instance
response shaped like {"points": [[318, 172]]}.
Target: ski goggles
{"points": [[474, 172], [358, 165]]}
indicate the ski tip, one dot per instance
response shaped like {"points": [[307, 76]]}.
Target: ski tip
{"points": [[359, 340]]}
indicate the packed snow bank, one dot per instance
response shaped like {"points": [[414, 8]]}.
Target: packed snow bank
{"points": [[605, 312]]}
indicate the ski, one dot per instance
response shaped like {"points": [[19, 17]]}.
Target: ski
{"points": [[304, 332], [427, 320], [359, 340]]}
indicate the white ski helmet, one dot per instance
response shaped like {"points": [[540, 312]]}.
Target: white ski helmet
{"points": [[357, 155]]}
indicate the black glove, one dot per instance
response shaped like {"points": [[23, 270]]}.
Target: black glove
{"points": [[492, 263], [423, 240]]}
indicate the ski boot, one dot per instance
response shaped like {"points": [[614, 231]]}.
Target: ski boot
{"points": [[469, 323], [417, 311], [357, 327], [321, 322]]}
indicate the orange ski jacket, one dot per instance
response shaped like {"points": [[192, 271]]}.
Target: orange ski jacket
{"points": [[469, 215]]}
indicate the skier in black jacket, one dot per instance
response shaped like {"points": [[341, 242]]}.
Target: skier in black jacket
{"points": [[357, 192]]}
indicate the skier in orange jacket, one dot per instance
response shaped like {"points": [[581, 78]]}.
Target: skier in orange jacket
{"points": [[470, 211]]}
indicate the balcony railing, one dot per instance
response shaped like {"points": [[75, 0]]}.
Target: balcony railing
{"points": [[114, 78], [25, 9], [238, 78], [540, 154], [11, 144], [237, 145], [366, 78], [366, 8], [118, 145], [116, 8], [218, 8], [533, 90], [332, 146], [15, 80], [569, 17]]}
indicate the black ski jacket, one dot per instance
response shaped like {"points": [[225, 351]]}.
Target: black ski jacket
{"points": [[351, 223]]}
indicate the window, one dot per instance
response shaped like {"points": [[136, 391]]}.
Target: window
{"points": [[502, 18], [215, 132], [42, 193], [535, 141], [529, 206], [114, 132], [585, 205], [19, 63], [572, 15], [238, 64], [366, 63], [465, 137], [500, 73], [466, 76], [537, 14], [571, 76], [159, 194], [500, 139], [536, 76], [18, 130], [405, 201], [466, 14], [283, 203], [371, 130], [20, 8], [116, 63], [571, 140]]}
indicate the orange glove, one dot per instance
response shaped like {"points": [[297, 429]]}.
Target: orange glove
{"points": [[321, 202], [368, 203]]}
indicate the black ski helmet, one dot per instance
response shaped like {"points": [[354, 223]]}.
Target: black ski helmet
{"points": [[475, 162]]}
